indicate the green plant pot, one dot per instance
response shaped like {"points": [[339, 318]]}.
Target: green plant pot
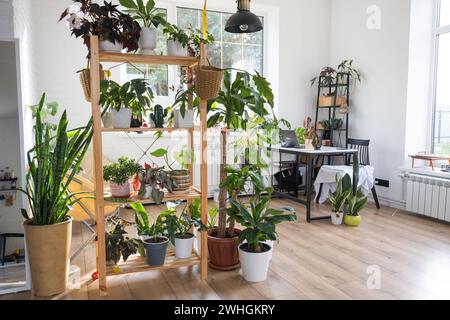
{"points": [[352, 221]]}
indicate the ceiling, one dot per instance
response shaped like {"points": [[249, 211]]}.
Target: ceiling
{"points": [[8, 80]]}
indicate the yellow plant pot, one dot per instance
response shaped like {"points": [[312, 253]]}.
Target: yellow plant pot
{"points": [[352, 221], [48, 249]]}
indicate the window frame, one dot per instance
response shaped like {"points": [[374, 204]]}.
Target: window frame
{"points": [[438, 30], [270, 16]]}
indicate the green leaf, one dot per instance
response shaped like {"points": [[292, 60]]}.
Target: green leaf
{"points": [[128, 4], [159, 153]]}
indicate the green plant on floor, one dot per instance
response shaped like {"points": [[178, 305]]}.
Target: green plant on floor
{"points": [[118, 245], [147, 13], [135, 94], [121, 171], [235, 183], [52, 164], [338, 198], [259, 220], [356, 203]]}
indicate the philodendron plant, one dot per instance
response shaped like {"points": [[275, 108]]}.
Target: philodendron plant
{"points": [[147, 13]]}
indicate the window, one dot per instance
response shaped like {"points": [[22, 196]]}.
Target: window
{"points": [[228, 50], [441, 139]]}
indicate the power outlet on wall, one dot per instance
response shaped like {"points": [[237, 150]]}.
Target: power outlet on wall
{"points": [[382, 183]]}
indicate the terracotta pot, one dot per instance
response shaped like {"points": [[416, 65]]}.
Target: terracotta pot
{"points": [[223, 252], [48, 249], [121, 191]]}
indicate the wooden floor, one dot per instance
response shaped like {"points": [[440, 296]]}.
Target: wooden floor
{"points": [[311, 261]]}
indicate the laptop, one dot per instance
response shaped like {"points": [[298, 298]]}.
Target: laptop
{"points": [[288, 139]]}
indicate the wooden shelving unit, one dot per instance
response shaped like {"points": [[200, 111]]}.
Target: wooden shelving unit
{"points": [[136, 263]]}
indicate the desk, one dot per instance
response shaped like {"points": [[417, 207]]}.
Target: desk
{"points": [[310, 155]]}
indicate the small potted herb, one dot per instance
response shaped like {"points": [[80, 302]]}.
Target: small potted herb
{"points": [[338, 199], [180, 177], [356, 203], [184, 239], [118, 175], [149, 17], [115, 29], [259, 221]]}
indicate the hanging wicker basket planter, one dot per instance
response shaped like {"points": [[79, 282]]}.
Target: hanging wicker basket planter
{"points": [[85, 79], [208, 81]]}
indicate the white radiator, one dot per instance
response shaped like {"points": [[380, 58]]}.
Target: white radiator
{"points": [[428, 196]]}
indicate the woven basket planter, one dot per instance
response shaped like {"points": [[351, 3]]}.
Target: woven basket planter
{"points": [[85, 79], [208, 81], [182, 181]]}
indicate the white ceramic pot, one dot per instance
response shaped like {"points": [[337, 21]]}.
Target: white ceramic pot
{"points": [[106, 45], [107, 120], [270, 244], [335, 219], [122, 118], [255, 265], [147, 41], [186, 122], [308, 144], [119, 190], [175, 48], [184, 246]]}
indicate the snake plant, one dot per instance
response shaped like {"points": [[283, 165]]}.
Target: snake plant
{"points": [[52, 164]]}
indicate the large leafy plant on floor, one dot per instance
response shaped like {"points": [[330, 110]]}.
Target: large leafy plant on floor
{"points": [[52, 164], [243, 101], [259, 219]]}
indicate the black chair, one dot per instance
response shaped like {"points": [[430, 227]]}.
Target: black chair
{"points": [[363, 155], [3, 237]]}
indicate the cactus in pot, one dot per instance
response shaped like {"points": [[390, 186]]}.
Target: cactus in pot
{"points": [[158, 116]]}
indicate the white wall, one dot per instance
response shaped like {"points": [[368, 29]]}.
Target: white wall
{"points": [[6, 19], [379, 103]]}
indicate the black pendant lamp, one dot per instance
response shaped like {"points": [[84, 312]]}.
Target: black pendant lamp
{"points": [[243, 21]]}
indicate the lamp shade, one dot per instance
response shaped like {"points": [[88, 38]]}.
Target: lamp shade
{"points": [[243, 21]]}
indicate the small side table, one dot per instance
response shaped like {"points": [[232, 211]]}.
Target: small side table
{"points": [[430, 158]]}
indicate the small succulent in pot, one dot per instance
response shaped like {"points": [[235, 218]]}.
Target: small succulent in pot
{"points": [[87, 18], [118, 174]]}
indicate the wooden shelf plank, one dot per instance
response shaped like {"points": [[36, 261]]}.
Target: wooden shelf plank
{"points": [[192, 194], [146, 129], [147, 59], [136, 263]]}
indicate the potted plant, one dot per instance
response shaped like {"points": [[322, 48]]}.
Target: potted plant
{"points": [[149, 16], [330, 76], [330, 125], [183, 117], [177, 40], [155, 243], [310, 136], [180, 177], [242, 95], [118, 175], [153, 182], [197, 39], [338, 199], [132, 99], [356, 202], [115, 29], [52, 164], [118, 245], [184, 239], [259, 222]]}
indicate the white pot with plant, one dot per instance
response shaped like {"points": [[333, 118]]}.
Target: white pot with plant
{"points": [[149, 18], [132, 98], [260, 225], [118, 175], [177, 41], [52, 164], [338, 199], [183, 238], [181, 177]]}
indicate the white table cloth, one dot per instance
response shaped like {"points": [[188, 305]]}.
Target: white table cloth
{"points": [[327, 177]]}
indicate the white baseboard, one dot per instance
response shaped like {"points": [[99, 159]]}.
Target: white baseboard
{"points": [[392, 203]]}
